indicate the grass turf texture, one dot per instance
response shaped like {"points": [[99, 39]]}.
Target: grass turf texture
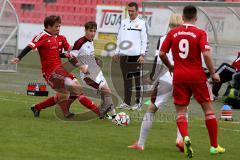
{"points": [[24, 137]]}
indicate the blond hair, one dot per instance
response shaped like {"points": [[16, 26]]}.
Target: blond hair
{"points": [[175, 20]]}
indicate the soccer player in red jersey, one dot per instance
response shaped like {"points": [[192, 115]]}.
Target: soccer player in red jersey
{"points": [[51, 101], [63, 82], [187, 42]]}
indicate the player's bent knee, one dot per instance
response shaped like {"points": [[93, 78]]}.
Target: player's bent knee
{"points": [[106, 90], [73, 85], [77, 90]]}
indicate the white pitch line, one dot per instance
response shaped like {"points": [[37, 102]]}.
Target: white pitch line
{"points": [[225, 129], [15, 100]]}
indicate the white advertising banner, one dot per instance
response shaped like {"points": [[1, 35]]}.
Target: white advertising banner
{"points": [[28, 30], [109, 19]]}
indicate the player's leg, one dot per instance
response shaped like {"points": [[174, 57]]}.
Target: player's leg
{"points": [[145, 127], [106, 94], [107, 100], [182, 124], [160, 95], [166, 80], [212, 127], [58, 84], [236, 80], [225, 72], [203, 95], [127, 80], [88, 103], [63, 103], [100, 84], [51, 101], [67, 83], [75, 88], [181, 95], [36, 108], [138, 86]]}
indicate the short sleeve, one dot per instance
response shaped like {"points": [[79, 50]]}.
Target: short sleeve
{"points": [[37, 41], [204, 42]]}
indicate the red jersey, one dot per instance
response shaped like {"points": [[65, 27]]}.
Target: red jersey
{"points": [[236, 62], [62, 43], [186, 43], [47, 46]]}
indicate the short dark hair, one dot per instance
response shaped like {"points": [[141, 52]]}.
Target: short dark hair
{"points": [[90, 25], [51, 20], [133, 4], [189, 12]]}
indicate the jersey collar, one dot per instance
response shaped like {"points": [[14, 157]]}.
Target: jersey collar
{"points": [[87, 39], [46, 32], [188, 24], [133, 20]]}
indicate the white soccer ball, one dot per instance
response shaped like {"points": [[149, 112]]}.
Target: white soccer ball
{"points": [[122, 119]]}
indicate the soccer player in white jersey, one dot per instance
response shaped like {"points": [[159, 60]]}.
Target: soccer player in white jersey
{"points": [[90, 72], [162, 81]]}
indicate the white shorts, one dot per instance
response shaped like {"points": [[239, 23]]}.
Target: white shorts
{"points": [[96, 83], [162, 90]]}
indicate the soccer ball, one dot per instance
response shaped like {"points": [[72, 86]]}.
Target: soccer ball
{"points": [[122, 119]]}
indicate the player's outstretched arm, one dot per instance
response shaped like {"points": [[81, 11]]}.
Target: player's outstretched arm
{"points": [[25, 51], [209, 63]]}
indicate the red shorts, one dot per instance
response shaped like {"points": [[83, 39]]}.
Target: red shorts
{"points": [[57, 77], [182, 93]]}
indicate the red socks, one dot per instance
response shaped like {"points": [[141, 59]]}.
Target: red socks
{"points": [[212, 126], [65, 105], [84, 100], [182, 124], [46, 103]]}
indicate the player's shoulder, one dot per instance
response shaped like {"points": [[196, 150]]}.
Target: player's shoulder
{"points": [[79, 43], [201, 31], [41, 35], [140, 19], [173, 31], [198, 30], [124, 21]]}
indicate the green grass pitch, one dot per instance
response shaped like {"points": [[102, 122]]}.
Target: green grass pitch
{"points": [[23, 137]]}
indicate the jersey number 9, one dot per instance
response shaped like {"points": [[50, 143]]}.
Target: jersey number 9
{"points": [[184, 48]]}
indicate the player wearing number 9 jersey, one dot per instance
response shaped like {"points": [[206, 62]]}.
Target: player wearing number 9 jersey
{"points": [[187, 43]]}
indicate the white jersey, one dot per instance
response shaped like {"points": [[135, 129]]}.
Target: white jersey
{"points": [[132, 37], [83, 49], [163, 79], [161, 69]]}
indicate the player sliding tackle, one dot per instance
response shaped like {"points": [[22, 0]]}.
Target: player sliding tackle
{"points": [[187, 42], [162, 81], [63, 82], [51, 101], [90, 72]]}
